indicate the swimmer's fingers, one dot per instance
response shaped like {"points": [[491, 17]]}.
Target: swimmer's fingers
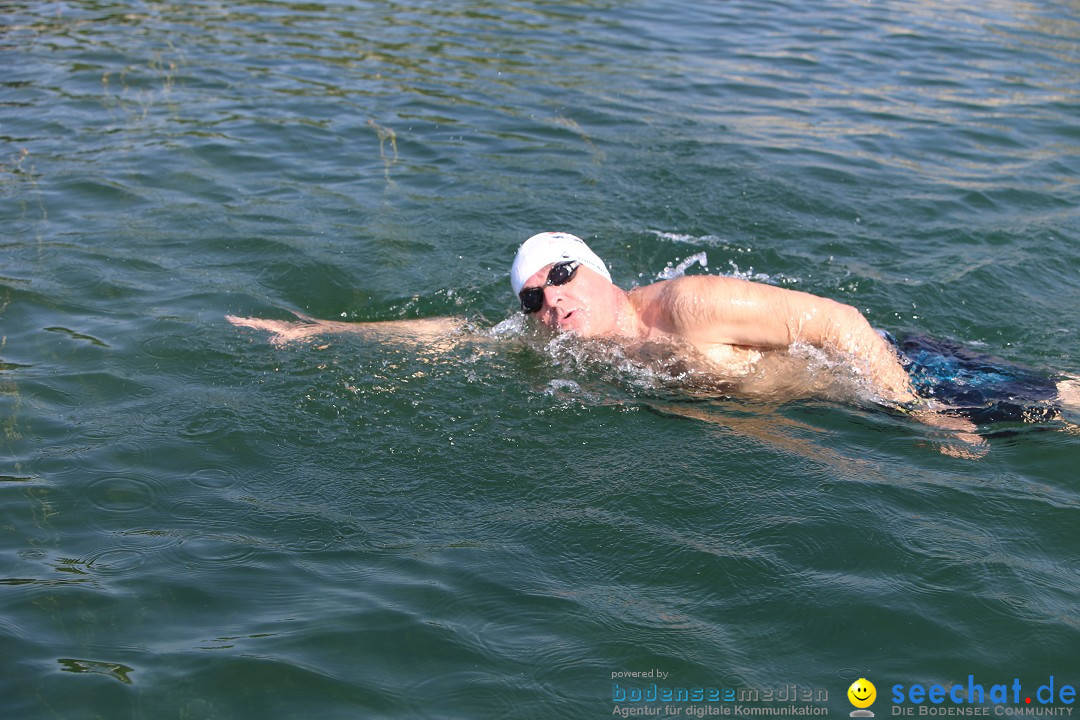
{"points": [[281, 332]]}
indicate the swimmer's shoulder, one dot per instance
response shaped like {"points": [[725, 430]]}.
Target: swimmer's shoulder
{"points": [[682, 304]]}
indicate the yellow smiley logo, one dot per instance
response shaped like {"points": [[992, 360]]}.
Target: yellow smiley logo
{"points": [[862, 693]]}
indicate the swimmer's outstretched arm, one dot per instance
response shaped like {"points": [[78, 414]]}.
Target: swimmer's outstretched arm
{"points": [[423, 331], [708, 308]]}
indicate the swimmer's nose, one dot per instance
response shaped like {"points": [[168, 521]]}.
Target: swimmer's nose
{"points": [[549, 315], [552, 294]]}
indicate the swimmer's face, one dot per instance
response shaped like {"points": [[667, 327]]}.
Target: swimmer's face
{"points": [[584, 305]]}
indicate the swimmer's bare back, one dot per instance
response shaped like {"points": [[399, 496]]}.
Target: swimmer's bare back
{"points": [[420, 331]]}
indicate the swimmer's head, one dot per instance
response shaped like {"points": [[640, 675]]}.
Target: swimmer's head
{"points": [[568, 287], [548, 248]]}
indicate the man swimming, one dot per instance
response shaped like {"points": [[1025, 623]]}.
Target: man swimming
{"points": [[733, 324], [738, 331]]}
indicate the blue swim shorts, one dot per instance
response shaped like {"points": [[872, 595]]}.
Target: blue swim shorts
{"points": [[974, 385]]}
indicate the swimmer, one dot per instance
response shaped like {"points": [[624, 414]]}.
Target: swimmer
{"points": [[731, 323], [734, 329]]}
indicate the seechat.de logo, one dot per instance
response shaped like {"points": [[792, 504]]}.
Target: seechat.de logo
{"points": [[862, 694]]}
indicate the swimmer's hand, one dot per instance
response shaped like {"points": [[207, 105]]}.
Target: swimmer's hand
{"points": [[282, 332], [426, 331], [963, 440]]}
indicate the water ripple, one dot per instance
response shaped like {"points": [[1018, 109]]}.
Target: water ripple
{"points": [[122, 494]]}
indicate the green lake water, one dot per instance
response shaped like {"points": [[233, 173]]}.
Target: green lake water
{"points": [[195, 523]]}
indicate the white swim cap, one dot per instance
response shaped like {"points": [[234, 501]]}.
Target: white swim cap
{"points": [[551, 247]]}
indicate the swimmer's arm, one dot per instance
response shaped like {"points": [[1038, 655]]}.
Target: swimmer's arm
{"points": [[422, 331], [711, 309]]}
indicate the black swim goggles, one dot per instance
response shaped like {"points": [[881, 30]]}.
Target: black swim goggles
{"points": [[532, 299]]}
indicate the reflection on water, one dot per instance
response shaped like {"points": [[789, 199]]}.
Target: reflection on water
{"points": [[114, 670]]}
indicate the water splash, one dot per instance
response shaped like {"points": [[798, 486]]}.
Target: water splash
{"points": [[679, 270], [513, 326], [559, 385], [715, 241], [711, 240]]}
